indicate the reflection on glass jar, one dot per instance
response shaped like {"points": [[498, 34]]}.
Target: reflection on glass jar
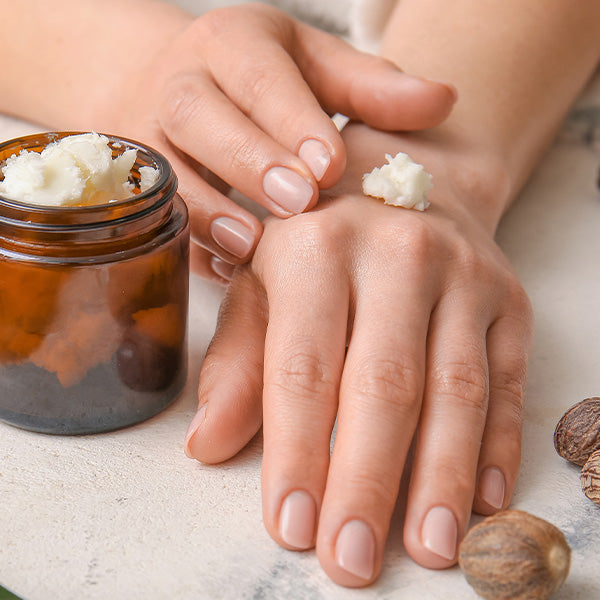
{"points": [[93, 304]]}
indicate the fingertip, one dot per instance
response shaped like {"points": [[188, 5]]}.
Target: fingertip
{"points": [[290, 192], [222, 269], [490, 491], [432, 542], [316, 156], [449, 88], [350, 554], [190, 436], [404, 102]]}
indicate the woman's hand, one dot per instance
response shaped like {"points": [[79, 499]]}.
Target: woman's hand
{"points": [[245, 93], [409, 328]]}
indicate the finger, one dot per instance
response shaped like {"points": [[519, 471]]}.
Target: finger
{"points": [[290, 75], [217, 223], [268, 86], [230, 389], [200, 120], [450, 431], [304, 354], [508, 343], [379, 407], [370, 88], [207, 265]]}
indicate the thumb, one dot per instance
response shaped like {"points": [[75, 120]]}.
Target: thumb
{"points": [[370, 88]]}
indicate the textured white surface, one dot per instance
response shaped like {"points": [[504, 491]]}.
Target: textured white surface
{"points": [[127, 515]]}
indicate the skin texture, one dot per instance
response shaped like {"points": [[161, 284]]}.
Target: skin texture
{"points": [[226, 97], [410, 328]]}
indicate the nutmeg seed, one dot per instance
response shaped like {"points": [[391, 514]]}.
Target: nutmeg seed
{"points": [[577, 434], [514, 555], [590, 477]]}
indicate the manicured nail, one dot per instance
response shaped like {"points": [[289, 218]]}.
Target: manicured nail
{"points": [[315, 155], [221, 268], [440, 532], [288, 189], [232, 236], [451, 87], [492, 487], [297, 519], [192, 429], [355, 549]]}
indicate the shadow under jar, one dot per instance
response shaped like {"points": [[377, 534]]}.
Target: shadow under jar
{"points": [[93, 303]]}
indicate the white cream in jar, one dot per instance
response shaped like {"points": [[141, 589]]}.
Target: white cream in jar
{"points": [[77, 170]]}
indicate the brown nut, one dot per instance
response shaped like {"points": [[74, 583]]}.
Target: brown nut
{"points": [[577, 434], [514, 555], [590, 477]]}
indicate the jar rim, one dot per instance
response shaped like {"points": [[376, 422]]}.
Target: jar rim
{"points": [[15, 210]]}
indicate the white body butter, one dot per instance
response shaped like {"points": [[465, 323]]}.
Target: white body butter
{"points": [[77, 170], [402, 182]]}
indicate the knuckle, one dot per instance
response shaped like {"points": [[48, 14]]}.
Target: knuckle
{"points": [[509, 384], [374, 485], [215, 26], [473, 265], [518, 299], [240, 152], [390, 387], [414, 239], [255, 83], [316, 236], [302, 372], [309, 238], [180, 105], [463, 383], [458, 480]]}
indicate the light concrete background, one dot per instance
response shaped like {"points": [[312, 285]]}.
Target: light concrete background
{"points": [[127, 515]]}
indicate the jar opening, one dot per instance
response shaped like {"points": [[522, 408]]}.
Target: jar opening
{"points": [[15, 211]]}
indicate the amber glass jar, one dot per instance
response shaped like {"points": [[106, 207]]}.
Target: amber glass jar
{"points": [[93, 303]]}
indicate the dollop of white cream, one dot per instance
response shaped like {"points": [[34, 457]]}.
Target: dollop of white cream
{"points": [[401, 182], [77, 170]]}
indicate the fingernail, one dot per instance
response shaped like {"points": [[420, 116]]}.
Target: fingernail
{"points": [[450, 87], [492, 486], [288, 189], [440, 532], [194, 425], [355, 549], [232, 236], [221, 268], [315, 155], [297, 520]]}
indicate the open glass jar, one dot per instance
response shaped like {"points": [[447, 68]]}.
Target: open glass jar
{"points": [[93, 303]]}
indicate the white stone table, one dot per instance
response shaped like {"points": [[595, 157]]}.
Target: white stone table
{"points": [[126, 515]]}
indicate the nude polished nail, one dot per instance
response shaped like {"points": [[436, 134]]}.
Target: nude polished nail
{"points": [[232, 236], [492, 487], [316, 156], [355, 549], [288, 189], [440, 532], [297, 520], [221, 268], [193, 428]]}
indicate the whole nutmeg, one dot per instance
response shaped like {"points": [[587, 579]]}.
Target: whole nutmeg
{"points": [[514, 555], [577, 434], [590, 477]]}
